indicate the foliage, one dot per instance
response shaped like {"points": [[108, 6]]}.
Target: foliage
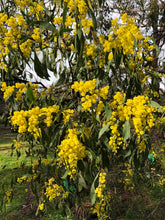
{"points": [[98, 117]]}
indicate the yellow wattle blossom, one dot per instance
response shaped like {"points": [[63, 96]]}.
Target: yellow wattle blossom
{"points": [[128, 179], [71, 150], [8, 90], [88, 87], [8, 195], [102, 184], [67, 114], [103, 198], [21, 89], [84, 87], [37, 36], [28, 121], [141, 115], [21, 179], [26, 48], [54, 191], [41, 206], [37, 10]]}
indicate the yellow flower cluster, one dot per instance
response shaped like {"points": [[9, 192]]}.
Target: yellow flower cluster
{"points": [[94, 94], [34, 8], [28, 121], [17, 144], [8, 90], [54, 191], [20, 89], [26, 178], [37, 10], [21, 179], [14, 27], [22, 3], [26, 48], [140, 114], [102, 205], [71, 150], [11, 30], [102, 208], [67, 114], [86, 24], [116, 140], [79, 4], [37, 36], [91, 51], [102, 184], [8, 195], [128, 179], [84, 87], [41, 206], [122, 37]]}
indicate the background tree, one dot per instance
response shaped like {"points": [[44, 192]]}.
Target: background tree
{"points": [[150, 17]]}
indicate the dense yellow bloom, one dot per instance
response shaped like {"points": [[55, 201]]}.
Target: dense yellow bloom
{"points": [[58, 20], [21, 179], [21, 89], [41, 206], [26, 48], [91, 51], [100, 108], [86, 24], [140, 114], [67, 114], [8, 90], [37, 10], [88, 87], [71, 150], [28, 121], [103, 92], [102, 184], [54, 191], [100, 207], [37, 36], [84, 87]]}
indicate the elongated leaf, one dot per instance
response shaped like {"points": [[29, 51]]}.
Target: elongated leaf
{"points": [[106, 142], [81, 183], [103, 130], [29, 94], [92, 191], [65, 174], [156, 105], [128, 154], [126, 130], [46, 25], [135, 42], [40, 68], [108, 111]]}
